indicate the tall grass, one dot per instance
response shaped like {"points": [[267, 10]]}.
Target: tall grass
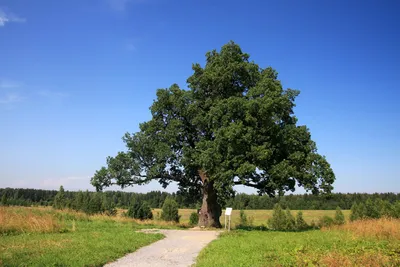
{"points": [[383, 228], [22, 220]]}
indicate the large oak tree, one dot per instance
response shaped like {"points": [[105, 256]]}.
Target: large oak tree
{"points": [[235, 125]]}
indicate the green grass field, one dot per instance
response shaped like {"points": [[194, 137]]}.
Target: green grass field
{"points": [[85, 242], [46, 237], [310, 248]]}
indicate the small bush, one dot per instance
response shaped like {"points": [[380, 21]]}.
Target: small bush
{"points": [[140, 210], [339, 217], [194, 218], [170, 210], [372, 209], [290, 221], [133, 210], [395, 213], [243, 218], [278, 220], [358, 211], [300, 222], [326, 221]]}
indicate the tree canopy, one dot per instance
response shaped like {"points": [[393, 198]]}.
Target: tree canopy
{"points": [[235, 124]]}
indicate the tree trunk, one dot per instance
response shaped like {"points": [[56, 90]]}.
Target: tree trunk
{"points": [[210, 210]]}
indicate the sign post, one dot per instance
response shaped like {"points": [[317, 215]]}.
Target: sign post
{"points": [[228, 212]]}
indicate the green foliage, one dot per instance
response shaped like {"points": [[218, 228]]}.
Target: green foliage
{"points": [[357, 211], [371, 209], [194, 218], [94, 205], [339, 217], [300, 222], [290, 221], [4, 200], [170, 210], [139, 210], [134, 208], [59, 199], [396, 210], [326, 221], [243, 218], [374, 209], [385, 201], [145, 212], [108, 206], [278, 220], [235, 124]]}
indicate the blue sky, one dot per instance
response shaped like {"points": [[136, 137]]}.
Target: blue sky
{"points": [[76, 75]]}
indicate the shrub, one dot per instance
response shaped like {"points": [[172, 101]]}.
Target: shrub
{"points": [[170, 210], [144, 212], [339, 217], [385, 208], [4, 200], [290, 221], [59, 199], [395, 213], [300, 222], [140, 210], [326, 221], [194, 218], [108, 206], [358, 211], [278, 220], [371, 209], [243, 218]]}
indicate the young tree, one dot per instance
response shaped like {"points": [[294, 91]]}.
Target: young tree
{"points": [[235, 125], [300, 222], [339, 216], [4, 199], [59, 199], [290, 221], [145, 212], [170, 210], [279, 219]]}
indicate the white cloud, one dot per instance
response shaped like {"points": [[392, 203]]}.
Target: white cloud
{"points": [[7, 84], [10, 98], [6, 17], [52, 94]]}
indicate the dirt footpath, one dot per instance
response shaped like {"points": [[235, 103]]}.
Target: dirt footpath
{"points": [[178, 248]]}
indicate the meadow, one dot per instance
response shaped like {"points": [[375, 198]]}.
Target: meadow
{"points": [[360, 243], [42, 236], [260, 217], [45, 237]]}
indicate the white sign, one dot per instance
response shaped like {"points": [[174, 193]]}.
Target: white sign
{"points": [[228, 211]]}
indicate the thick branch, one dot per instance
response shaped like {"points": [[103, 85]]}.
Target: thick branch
{"points": [[247, 184]]}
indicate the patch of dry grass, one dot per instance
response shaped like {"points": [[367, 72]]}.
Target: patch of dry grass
{"points": [[335, 259], [25, 220], [384, 228]]}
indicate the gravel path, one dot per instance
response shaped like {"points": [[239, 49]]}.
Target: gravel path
{"points": [[178, 248]]}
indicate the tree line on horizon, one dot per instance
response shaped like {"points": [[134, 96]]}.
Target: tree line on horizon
{"points": [[155, 199]]}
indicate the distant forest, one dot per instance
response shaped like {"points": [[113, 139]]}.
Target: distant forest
{"points": [[155, 199]]}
